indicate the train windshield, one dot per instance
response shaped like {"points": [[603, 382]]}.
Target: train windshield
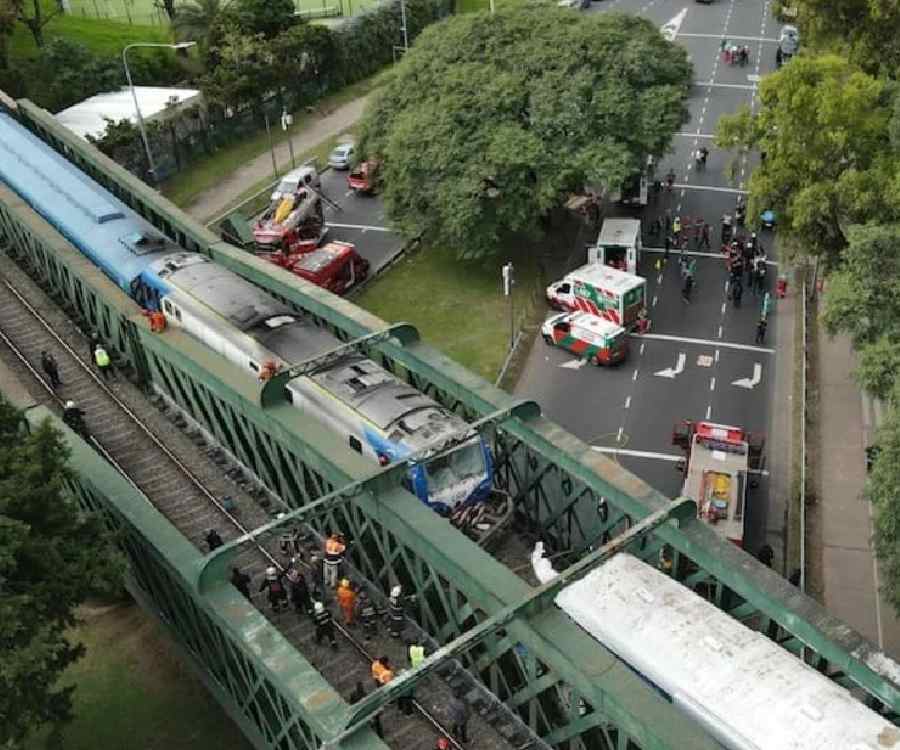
{"points": [[452, 478]]}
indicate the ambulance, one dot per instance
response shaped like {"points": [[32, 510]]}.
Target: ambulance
{"points": [[618, 245], [618, 296], [590, 337]]}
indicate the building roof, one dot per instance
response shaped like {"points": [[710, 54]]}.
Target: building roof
{"points": [[88, 117]]}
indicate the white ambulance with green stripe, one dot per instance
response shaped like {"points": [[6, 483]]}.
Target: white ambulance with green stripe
{"points": [[618, 296], [590, 337]]}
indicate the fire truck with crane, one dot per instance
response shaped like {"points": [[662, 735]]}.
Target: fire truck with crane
{"points": [[719, 465], [293, 223]]}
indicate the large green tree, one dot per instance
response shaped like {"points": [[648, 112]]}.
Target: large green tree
{"points": [[824, 127], [881, 491], [489, 120], [51, 558]]}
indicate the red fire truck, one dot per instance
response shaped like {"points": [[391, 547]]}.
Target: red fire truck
{"points": [[718, 468], [336, 266]]}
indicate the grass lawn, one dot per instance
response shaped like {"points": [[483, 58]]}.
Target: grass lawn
{"points": [[207, 172], [457, 306], [103, 37], [134, 692]]}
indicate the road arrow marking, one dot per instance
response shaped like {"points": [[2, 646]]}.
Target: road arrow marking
{"points": [[670, 28], [678, 369], [574, 364], [750, 383], [753, 77]]}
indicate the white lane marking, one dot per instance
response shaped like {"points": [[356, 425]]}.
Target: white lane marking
{"points": [[714, 85], [670, 457], [720, 331], [715, 256], [753, 77], [750, 383], [655, 300], [671, 372], [634, 376], [703, 342], [642, 350], [628, 402], [685, 186], [619, 434], [363, 227], [712, 384], [698, 134], [709, 411], [717, 355], [735, 37], [574, 364], [723, 304]]}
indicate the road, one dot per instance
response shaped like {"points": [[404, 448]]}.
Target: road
{"points": [[700, 360], [360, 220]]}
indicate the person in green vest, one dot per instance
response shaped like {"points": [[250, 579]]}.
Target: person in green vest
{"points": [[104, 364], [416, 654]]}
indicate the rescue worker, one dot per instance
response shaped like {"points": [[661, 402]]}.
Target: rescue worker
{"points": [[761, 331], [49, 365], [213, 540], [396, 615], [359, 692], [74, 418], [324, 624], [382, 673], [368, 614], [676, 228], [405, 699], [93, 343], [704, 236], [416, 654], [299, 591], [103, 362], [334, 558], [241, 581], [459, 716], [274, 585], [346, 598]]}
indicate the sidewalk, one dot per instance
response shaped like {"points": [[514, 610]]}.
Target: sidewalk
{"points": [[846, 427], [211, 203]]}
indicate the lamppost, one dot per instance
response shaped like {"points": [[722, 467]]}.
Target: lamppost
{"points": [[180, 45]]}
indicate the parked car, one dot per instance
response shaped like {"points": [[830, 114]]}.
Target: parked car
{"points": [[342, 156], [305, 176], [788, 44]]}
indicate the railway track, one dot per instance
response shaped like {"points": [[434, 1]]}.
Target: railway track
{"points": [[130, 442]]}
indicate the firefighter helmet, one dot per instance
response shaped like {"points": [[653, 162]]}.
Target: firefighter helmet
{"points": [[271, 573], [395, 592]]}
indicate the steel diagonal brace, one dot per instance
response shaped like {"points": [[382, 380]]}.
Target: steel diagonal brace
{"points": [[213, 566], [681, 509], [272, 392]]}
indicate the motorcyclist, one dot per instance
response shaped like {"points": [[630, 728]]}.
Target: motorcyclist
{"points": [[74, 419]]}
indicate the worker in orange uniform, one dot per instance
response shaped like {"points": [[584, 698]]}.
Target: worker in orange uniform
{"points": [[334, 556], [382, 672], [346, 598]]}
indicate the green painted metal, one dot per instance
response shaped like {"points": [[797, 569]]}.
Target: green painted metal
{"points": [[536, 600], [557, 483]]}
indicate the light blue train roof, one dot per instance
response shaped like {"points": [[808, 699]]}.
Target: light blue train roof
{"points": [[90, 217]]}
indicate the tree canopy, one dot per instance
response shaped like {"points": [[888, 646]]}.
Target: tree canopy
{"points": [[825, 129], [489, 121], [51, 557]]}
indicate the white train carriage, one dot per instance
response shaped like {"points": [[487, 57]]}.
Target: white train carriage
{"points": [[379, 416], [744, 689]]}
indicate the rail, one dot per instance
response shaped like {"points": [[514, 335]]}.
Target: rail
{"points": [[803, 380], [228, 516]]}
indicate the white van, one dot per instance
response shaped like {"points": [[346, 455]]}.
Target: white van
{"points": [[301, 177]]}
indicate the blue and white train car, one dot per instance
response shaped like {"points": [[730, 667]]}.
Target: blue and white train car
{"points": [[748, 692], [378, 415]]}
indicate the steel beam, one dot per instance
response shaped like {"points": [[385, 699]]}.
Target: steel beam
{"points": [[542, 596], [214, 566], [272, 393]]}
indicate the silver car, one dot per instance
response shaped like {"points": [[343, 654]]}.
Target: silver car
{"points": [[342, 156]]}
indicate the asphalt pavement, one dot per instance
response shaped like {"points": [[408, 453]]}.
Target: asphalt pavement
{"points": [[359, 219], [700, 360]]}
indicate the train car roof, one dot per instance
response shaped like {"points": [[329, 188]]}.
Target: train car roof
{"points": [[745, 686], [381, 398], [95, 221]]}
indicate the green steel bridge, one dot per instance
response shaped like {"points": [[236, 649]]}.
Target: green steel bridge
{"points": [[569, 690]]}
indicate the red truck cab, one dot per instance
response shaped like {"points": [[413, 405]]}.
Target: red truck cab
{"points": [[336, 266]]}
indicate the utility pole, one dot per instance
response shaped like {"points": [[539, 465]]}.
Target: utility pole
{"points": [[403, 25], [271, 145], [286, 121], [508, 282]]}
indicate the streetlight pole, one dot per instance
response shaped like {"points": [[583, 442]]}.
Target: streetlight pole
{"points": [[180, 45]]}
